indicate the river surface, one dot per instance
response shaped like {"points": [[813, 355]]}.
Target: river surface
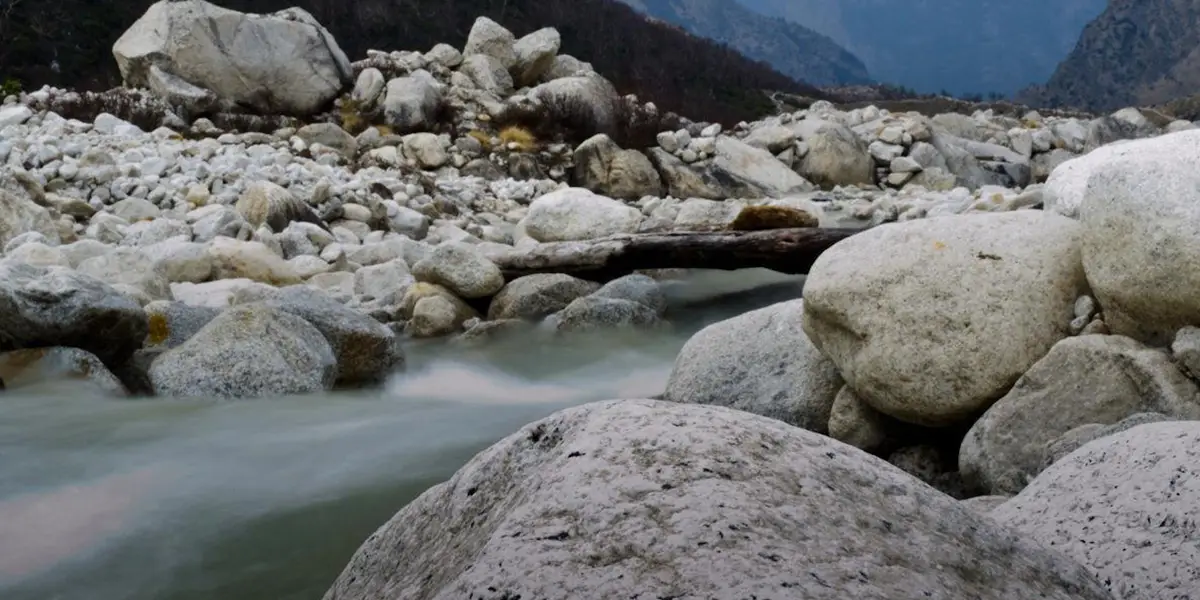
{"points": [[152, 499]]}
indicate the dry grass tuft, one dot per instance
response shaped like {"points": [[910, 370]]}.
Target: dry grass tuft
{"points": [[524, 139]]}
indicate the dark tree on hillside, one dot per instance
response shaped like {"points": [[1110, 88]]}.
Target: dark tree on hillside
{"points": [[680, 72]]}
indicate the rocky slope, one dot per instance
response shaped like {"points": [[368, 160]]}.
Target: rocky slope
{"points": [[66, 43], [976, 331], [789, 47], [1137, 52], [962, 46]]}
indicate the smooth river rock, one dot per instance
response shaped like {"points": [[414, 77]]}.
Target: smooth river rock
{"points": [[645, 499]]}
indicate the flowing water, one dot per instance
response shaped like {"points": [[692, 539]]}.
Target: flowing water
{"points": [[152, 499]]}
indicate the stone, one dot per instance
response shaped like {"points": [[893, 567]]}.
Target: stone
{"points": [[179, 260], [635, 287], [234, 259], [755, 172], [247, 351], [1084, 434], [772, 138], [462, 269], [20, 368], [218, 294], [931, 321], [759, 362], [535, 55], [488, 73], [1088, 379], [603, 167], [535, 296], [368, 88], [39, 255], [646, 499], [1186, 350], [14, 114], [173, 323], [283, 62], [19, 215], [385, 281], [929, 464], [135, 209], [572, 214], [331, 136], [426, 149], [589, 102], [367, 352], [593, 313], [129, 267], [854, 422], [1140, 215], [836, 156], [1067, 183], [1125, 506], [435, 316], [55, 306], [697, 214], [490, 38], [985, 504], [411, 103]]}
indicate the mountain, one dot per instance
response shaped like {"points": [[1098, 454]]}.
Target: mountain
{"points": [[1137, 52], [791, 48], [68, 43], [960, 46]]}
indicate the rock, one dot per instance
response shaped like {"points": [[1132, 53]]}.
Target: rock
{"points": [[445, 55], [759, 362], [426, 149], [535, 55], [365, 349], [603, 167], [930, 321], [696, 214], [1140, 215], [962, 164], [135, 209], [265, 203], [129, 267], [1084, 434], [245, 352], [490, 38], [412, 103], [927, 463], [853, 422], [488, 73], [233, 259], [1186, 350], [836, 156], [592, 313], [636, 288], [566, 65], [386, 281], [462, 269], [332, 136], [772, 138], [14, 114], [283, 62], [39, 255], [637, 498], [219, 294], [1131, 521], [1087, 379], [19, 215], [173, 323], [179, 260], [589, 103], [764, 216], [20, 368], [572, 214], [433, 311], [54, 306], [1067, 183], [535, 296], [985, 504], [755, 172], [368, 88]]}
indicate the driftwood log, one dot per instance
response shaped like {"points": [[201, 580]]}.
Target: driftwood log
{"points": [[790, 251]]}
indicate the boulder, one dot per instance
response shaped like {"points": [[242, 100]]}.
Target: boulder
{"points": [[572, 214], [488, 73], [931, 321], [489, 38], [760, 362], [1126, 507], [635, 287], [367, 351], [1099, 379], [462, 269], [1065, 187], [645, 499], [1082, 435], [19, 215], [32, 366], [234, 259], [836, 156], [413, 102], [283, 62], [329, 135], [433, 311], [603, 167], [535, 296], [1140, 215], [266, 203], [750, 172], [247, 351], [173, 323], [129, 269], [54, 306], [854, 422], [594, 313], [685, 181], [535, 55], [586, 104]]}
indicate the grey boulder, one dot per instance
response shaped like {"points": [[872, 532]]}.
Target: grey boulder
{"points": [[647, 499]]}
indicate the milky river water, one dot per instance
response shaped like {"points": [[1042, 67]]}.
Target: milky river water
{"points": [[153, 499]]}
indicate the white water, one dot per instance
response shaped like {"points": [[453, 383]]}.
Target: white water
{"points": [[153, 499]]}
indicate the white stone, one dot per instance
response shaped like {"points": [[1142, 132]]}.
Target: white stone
{"points": [[571, 214]]}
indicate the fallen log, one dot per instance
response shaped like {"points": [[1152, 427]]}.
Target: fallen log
{"points": [[790, 251]]}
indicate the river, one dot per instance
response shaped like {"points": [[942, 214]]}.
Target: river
{"points": [[153, 499]]}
